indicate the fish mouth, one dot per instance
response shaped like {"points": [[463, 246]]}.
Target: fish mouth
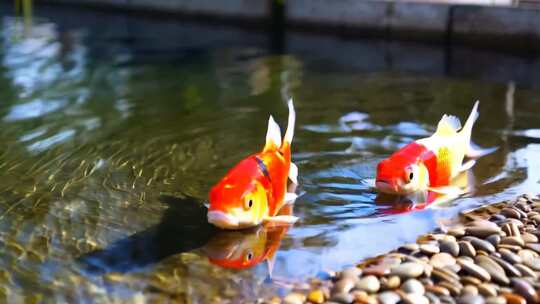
{"points": [[223, 220], [386, 187]]}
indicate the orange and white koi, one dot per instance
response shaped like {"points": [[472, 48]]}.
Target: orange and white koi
{"points": [[255, 189], [431, 163]]}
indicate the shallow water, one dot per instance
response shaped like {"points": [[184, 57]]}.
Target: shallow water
{"points": [[113, 135]]}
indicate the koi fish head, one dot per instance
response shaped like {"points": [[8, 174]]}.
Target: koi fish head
{"points": [[238, 200], [397, 175], [238, 249]]}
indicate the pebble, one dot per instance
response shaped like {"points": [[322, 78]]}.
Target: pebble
{"points": [[510, 256], [469, 289], [471, 299], [457, 231], [414, 298], [438, 290], [534, 246], [411, 247], [413, 286], [512, 240], [342, 297], [482, 231], [493, 268], [524, 289], [344, 285], [377, 270], [369, 284], [509, 269], [351, 272], [452, 287], [494, 239], [526, 271], [496, 300], [408, 270], [529, 238], [389, 297], [442, 259], [474, 270], [294, 298], [429, 249], [511, 213], [451, 247], [316, 296], [469, 280], [391, 282], [466, 249], [487, 290], [514, 298]]}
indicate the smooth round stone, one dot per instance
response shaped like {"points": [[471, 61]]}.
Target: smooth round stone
{"points": [[510, 256], [433, 299], [341, 297], [482, 245], [514, 298], [453, 287], [527, 254], [447, 300], [466, 249], [377, 270], [408, 270], [526, 271], [524, 289], [351, 272], [369, 284], [493, 268], [474, 270], [529, 238], [487, 290], [389, 297], [415, 298], [496, 300], [344, 285], [450, 247], [391, 282], [509, 269], [533, 263], [469, 280], [494, 239], [429, 249], [534, 246], [410, 247], [471, 299], [457, 231], [316, 296], [294, 298], [511, 213], [438, 290], [413, 286], [482, 231], [512, 240], [442, 259], [469, 289]]}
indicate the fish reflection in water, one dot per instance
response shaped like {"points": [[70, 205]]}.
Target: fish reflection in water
{"points": [[420, 200], [183, 228]]}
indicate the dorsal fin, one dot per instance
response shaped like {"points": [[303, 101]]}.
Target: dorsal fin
{"points": [[273, 136], [448, 125]]}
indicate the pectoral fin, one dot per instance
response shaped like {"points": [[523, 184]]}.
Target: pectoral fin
{"points": [[467, 165], [293, 173], [290, 198], [448, 190], [283, 219]]}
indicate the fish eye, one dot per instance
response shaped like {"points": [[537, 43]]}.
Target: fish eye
{"points": [[249, 256], [409, 174], [248, 204]]}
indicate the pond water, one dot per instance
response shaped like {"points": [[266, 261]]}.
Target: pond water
{"points": [[113, 128]]}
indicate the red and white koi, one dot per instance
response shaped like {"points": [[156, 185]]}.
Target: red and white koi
{"points": [[431, 163]]}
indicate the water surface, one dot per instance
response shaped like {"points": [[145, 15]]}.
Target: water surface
{"points": [[112, 136]]}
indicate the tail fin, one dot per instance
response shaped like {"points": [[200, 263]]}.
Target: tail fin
{"points": [[290, 126], [472, 150]]}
